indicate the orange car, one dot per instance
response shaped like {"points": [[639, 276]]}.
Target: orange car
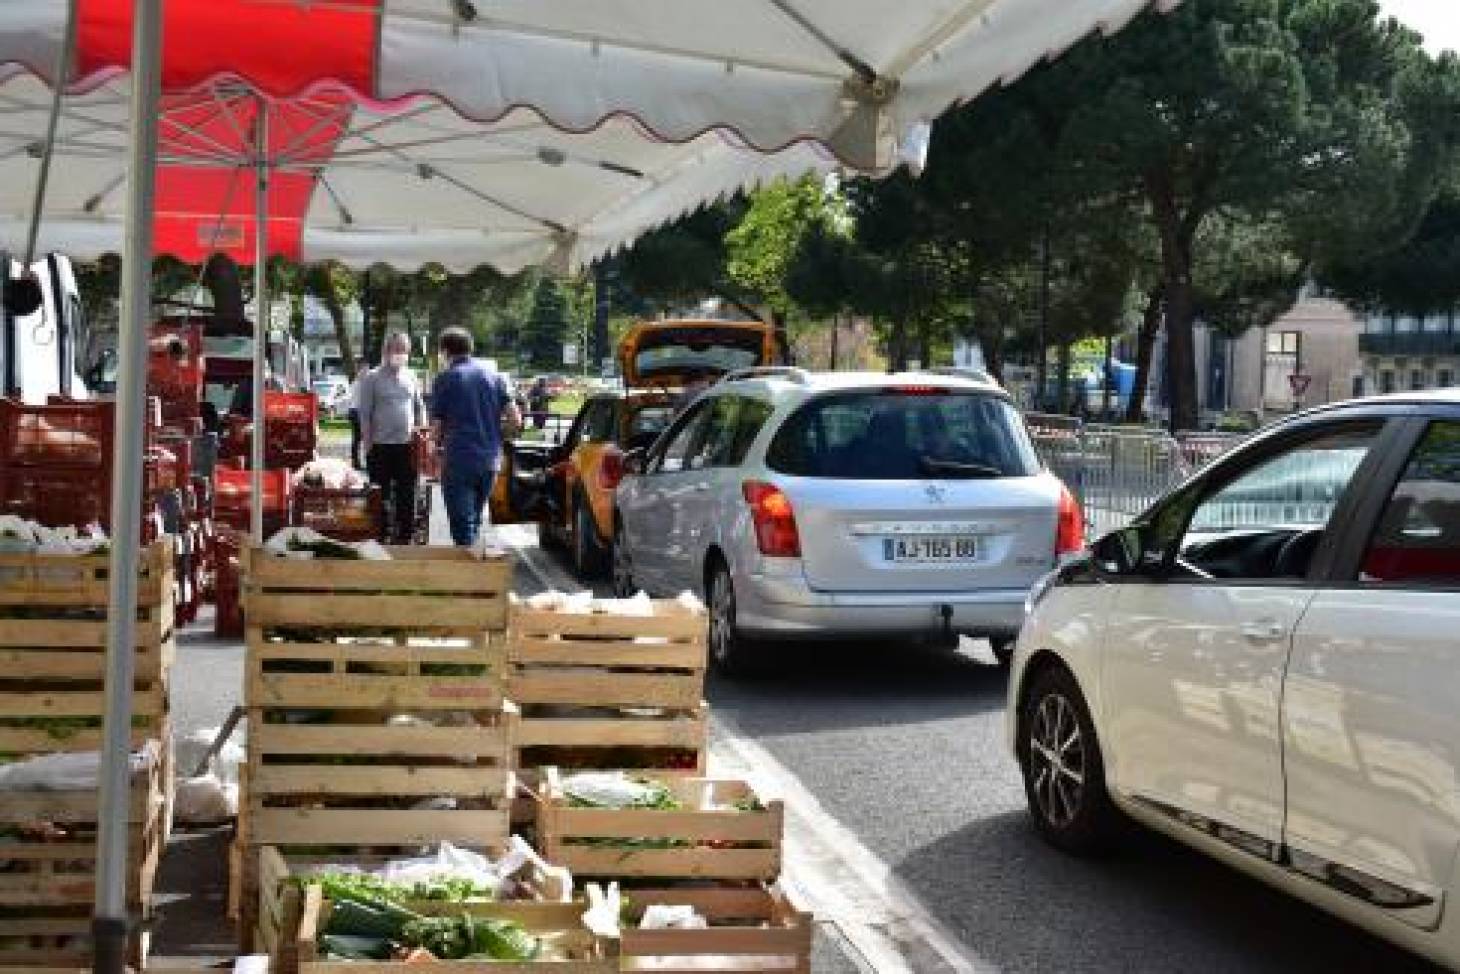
{"points": [[663, 364]]}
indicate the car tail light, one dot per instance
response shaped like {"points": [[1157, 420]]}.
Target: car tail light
{"points": [[775, 522], [1069, 536], [611, 469]]}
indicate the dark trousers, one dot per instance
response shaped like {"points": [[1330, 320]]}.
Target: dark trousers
{"points": [[355, 439], [393, 468]]}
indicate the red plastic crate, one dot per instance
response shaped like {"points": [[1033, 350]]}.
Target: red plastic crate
{"points": [[232, 491], [345, 514], [56, 497], [72, 435], [177, 383], [428, 461]]}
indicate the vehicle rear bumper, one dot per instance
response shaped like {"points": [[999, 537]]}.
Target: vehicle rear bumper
{"points": [[785, 608]]}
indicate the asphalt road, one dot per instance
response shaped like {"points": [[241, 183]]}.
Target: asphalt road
{"points": [[904, 747]]}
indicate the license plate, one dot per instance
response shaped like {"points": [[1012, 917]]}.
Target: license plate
{"points": [[929, 551]]}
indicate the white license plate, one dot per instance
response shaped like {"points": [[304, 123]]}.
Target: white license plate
{"points": [[929, 550]]}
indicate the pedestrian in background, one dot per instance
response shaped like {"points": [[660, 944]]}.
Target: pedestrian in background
{"points": [[390, 412], [355, 459], [472, 412], [538, 400]]}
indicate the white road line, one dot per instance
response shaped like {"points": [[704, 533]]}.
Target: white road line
{"points": [[832, 874], [827, 869]]}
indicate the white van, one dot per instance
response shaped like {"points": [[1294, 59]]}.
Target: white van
{"points": [[39, 352]]}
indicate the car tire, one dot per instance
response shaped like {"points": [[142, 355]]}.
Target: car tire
{"points": [[731, 653], [1063, 769], [1003, 650], [624, 586], [587, 556]]}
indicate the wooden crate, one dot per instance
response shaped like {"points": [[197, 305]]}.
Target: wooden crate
{"points": [[752, 928], [420, 591], [609, 691], [53, 616], [708, 838], [332, 779], [48, 882], [279, 895]]}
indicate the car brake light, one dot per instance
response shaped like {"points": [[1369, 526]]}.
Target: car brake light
{"points": [[1070, 533], [611, 469], [918, 391], [775, 522]]}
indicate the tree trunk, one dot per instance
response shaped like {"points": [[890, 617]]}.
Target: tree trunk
{"points": [[783, 337], [897, 346], [1107, 374], [1063, 365], [925, 346], [225, 284], [1135, 410], [835, 330], [1177, 234]]}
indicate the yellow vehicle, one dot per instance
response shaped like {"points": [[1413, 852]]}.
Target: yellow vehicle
{"points": [[663, 365]]}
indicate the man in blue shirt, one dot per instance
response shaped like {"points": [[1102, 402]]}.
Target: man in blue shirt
{"points": [[472, 413]]}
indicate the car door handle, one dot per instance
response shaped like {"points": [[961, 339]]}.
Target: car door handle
{"points": [[1264, 631]]}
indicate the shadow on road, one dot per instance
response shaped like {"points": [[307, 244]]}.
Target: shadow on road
{"points": [[837, 685], [1152, 906]]}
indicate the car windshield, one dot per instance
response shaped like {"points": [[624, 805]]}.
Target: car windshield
{"points": [[904, 434]]}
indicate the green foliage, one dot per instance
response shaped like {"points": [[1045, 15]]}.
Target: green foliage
{"points": [[546, 327], [763, 245], [1420, 278]]}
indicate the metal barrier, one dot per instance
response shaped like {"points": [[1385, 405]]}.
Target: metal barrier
{"points": [[1116, 472]]}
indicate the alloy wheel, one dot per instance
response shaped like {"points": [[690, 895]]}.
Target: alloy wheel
{"points": [[1057, 760], [722, 619]]}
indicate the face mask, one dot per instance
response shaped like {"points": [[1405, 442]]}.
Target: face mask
{"points": [[397, 360]]}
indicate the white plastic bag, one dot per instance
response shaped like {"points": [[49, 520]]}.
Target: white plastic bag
{"points": [[76, 771], [606, 789], [204, 800]]}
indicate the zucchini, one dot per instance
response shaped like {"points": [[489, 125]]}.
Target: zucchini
{"points": [[345, 947], [357, 919]]}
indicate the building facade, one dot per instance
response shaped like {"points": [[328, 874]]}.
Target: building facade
{"points": [[1402, 352]]}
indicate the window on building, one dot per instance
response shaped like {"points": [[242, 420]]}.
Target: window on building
{"points": [[1444, 379], [1386, 381], [1416, 380], [1284, 357], [1405, 325], [1358, 386]]}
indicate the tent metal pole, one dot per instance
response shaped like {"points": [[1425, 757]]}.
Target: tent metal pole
{"points": [[109, 922], [260, 317]]}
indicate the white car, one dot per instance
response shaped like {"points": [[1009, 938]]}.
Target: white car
{"points": [[1266, 665]]}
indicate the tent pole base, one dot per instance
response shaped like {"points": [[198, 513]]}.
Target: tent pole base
{"points": [[109, 945]]}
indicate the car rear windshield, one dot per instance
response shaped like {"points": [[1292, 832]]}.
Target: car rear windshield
{"points": [[896, 434]]}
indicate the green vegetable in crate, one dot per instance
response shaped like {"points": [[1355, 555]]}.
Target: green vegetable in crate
{"points": [[325, 548], [369, 918], [344, 947], [465, 937]]}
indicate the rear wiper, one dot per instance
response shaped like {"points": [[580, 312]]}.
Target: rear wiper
{"points": [[956, 468]]}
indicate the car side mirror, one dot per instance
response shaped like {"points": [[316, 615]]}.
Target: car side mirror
{"points": [[1127, 552], [634, 462]]}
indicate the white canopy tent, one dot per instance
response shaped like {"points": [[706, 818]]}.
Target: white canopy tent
{"points": [[863, 77], [405, 184]]}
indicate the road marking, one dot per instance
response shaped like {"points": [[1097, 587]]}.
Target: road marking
{"points": [[827, 869], [831, 873]]}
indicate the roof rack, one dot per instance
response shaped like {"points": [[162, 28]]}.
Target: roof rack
{"points": [[799, 376]]}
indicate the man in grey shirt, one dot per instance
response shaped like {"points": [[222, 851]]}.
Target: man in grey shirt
{"points": [[390, 412]]}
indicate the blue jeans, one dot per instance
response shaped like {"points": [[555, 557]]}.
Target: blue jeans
{"points": [[466, 488]]}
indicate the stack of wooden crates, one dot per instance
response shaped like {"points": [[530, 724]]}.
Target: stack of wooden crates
{"points": [[52, 663], [623, 691], [337, 650]]}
